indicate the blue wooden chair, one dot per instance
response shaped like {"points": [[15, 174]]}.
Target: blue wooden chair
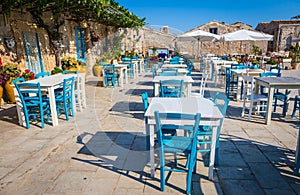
{"points": [[110, 75], [130, 70], [70, 72], [177, 144], [297, 157], [42, 74], [204, 133], [278, 96], [153, 70], [171, 88], [64, 99], [34, 106], [190, 67], [296, 106], [231, 83]]}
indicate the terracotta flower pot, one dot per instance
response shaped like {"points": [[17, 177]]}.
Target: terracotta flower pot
{"points": [[9, 91]]}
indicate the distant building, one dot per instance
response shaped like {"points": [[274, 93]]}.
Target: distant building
{"points": [[283, 31], [220, 47]]}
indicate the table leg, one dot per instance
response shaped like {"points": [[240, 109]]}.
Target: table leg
{"points": [[53, 106], [156, 89], [189, 90], [239, 88], [150, 144], [121, 77], [297, 155], [212, 153], [269, 108]]}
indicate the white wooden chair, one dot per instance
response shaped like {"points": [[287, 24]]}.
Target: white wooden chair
{"points": [[257, 101], [204, 77]]}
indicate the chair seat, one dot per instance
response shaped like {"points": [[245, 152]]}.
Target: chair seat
{"points": [[257, 97], [177, 144]]}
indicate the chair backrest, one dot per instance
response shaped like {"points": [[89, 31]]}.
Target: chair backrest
{"points": [[29, 93], [268, 74], [42, 74], [203, 81], [171, 88], [239, 66], [153, 69], [109, 69], [145, 101], [169, 72], [18, 80], [190, 124], [68, 86], [248, 85], [275, 69], [222, 102]]}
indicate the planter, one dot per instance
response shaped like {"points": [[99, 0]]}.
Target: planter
{"points": [[9, 92], [295, 66], [97, 71], [82, 69]]}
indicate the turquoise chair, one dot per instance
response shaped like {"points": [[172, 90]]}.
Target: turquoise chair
{"points": [[171, 88], [64, 99], [130, 70], [42, 74], [297, 157], [34, 106], [177, 144], [205, 132], [110, 76]]}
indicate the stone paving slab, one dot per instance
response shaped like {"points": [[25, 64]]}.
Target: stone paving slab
{"points": [[102, 150]]}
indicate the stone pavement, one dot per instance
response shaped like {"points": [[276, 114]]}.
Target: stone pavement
{"points": [[102, 150]]}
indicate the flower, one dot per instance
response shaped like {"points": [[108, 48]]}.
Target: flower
{"points": [[28, 75], [7, 71], [68, 62], [95, 37]]}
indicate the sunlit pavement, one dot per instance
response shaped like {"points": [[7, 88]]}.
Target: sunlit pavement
{"points": [[102, 150]]}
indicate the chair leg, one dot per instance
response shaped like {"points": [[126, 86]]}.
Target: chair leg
{"points": [[295, 107]]}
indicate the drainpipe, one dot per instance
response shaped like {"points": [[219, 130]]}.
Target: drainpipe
{"points": [[278, 33]]}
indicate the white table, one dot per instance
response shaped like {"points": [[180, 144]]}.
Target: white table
{"points": [[47, 84], [187, 83], [239, 72], [123, 73], [210, 115], [275, 83], [174, 66]]}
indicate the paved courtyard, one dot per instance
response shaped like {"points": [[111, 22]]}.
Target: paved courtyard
{"points": [[102, 150]]}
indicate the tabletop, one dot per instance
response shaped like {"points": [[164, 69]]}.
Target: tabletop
{"points": [[280, 81], [190, 105], [187, 79]]}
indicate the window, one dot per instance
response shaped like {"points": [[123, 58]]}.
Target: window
{"points": [[79, 36], [33, 52], [213, 30]]}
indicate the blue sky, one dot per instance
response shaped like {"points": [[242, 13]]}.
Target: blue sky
{"points": [[184, 15]]}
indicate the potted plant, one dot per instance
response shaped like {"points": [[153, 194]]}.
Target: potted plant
{"points": [[7, 73], [69, 63], [56, 70], [28, 75]]}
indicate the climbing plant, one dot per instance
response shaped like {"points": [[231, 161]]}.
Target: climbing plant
{"points": [[106, 12]]}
